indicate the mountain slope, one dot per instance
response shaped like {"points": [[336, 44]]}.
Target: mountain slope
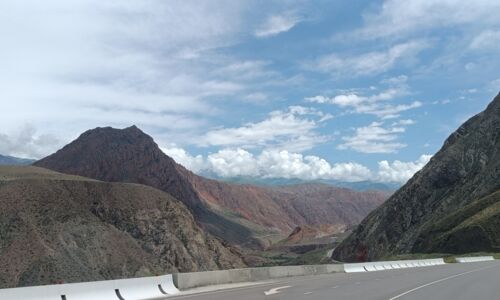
{"points": [[271, 182], [10, 160], [129, 155], [240, 214], [450, 187], [56, 227], [473, 228]]}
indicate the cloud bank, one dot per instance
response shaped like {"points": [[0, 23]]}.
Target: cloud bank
{"points": [[236, 162]]}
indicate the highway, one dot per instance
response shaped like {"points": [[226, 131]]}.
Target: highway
{"points": [[466, 281]]}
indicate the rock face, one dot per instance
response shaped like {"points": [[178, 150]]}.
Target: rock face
{"points": [[62, 228], [451, 205], [238, 213]]}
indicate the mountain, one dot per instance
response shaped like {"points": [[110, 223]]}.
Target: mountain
{"points": [[56, 227], [129, 155], [357, 186], [450, 206], [242, 214], [11, 160]]}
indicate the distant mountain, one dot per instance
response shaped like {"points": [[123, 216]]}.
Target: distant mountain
{"points": [[10, 160], [451, 206], [242, 214], [357, 186], [56, 227]]}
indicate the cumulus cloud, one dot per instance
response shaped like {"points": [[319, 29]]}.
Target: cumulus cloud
{"points": [[27, 143], [399, 171], [193, 163], [293, 129], [277, 24], [236, 162], [374, 138], [370, 63]]}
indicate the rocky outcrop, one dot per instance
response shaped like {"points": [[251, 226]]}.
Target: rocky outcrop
{"points": [[455, 181], [61, 228]]}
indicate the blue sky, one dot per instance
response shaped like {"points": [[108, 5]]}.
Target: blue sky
{"points": [[323, 89]]}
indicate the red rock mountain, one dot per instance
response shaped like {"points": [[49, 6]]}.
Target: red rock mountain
{"points": [[61, 228], [240, 214]]}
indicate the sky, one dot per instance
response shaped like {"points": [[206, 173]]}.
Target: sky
{"points": [[341, 90]]}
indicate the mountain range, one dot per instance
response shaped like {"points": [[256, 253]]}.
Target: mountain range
{"points": [[245, 215], [451, 206], [356, 185], [11, 160]]}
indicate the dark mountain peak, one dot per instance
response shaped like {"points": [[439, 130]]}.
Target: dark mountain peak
{"points": [[134, 130], [130, 134], [111, 154]]}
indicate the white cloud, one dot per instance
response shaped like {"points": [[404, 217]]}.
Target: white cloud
{"points": [[26, 143], [390, 111], [232, 163], [277, 24], [246, 70], [375, 104], [399, 18], [181, 156], [368, 63], [399, 171], [94, 63], [293, 130], [256, 97], [236, 162], [374, 138], [404, 122], [486, 40]]}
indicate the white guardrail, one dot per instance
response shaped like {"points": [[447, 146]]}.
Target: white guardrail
{"points": [[391, 265], [122, 289], [474, 259], [162, 286]]}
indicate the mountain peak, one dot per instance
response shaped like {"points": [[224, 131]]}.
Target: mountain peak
{"points": [[99, 131], [109, 154], [433, 211]]}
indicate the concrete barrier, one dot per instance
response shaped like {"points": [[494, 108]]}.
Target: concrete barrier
{"points": [[474, 259], [354, 268], [390, 265], [160, 286], [128, 289], [185, 281]]}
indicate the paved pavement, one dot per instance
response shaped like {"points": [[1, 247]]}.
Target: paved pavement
{"points": [[468, 281]]}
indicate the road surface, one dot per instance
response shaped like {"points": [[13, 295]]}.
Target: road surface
{"points": [[467, 281]]}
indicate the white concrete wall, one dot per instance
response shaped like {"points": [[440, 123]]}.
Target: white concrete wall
{"points": [[130, 289], [474, 259], [197, 279], [390, 265]]}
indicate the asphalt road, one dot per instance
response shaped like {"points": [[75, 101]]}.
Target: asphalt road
{"points": [[468, 281]]}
